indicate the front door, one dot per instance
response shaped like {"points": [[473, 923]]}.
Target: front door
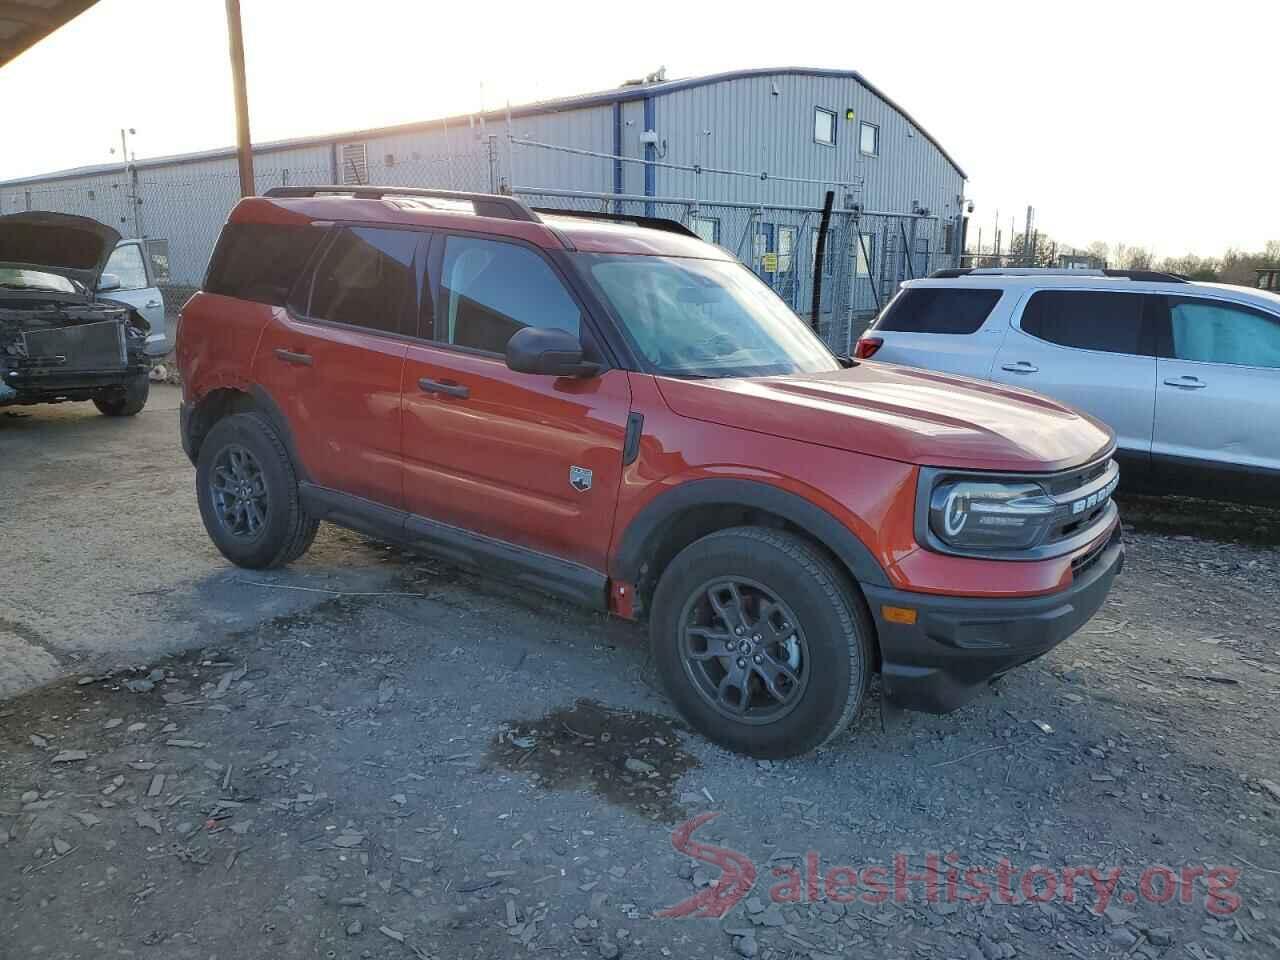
{"points": [[1218, 399], [1094, 351], [332, 361], [137, 289], [528, 460]]}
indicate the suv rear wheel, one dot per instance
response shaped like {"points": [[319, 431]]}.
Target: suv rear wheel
{"points": [[761, 642], [125, 401], [248, 494]]}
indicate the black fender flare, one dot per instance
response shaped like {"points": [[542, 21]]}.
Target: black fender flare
{"points": [[258, 400], [634, 545]]}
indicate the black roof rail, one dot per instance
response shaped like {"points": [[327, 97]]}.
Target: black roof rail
{"points": [[495, 205], [950, 272], [1157, 275], [653, 223]]}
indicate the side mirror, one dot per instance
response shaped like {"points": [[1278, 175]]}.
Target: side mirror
{"points": [[108, 282], [548, 351]]}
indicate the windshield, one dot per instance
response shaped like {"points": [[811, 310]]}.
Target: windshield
{"points": [[706, 318], [15, 278]]}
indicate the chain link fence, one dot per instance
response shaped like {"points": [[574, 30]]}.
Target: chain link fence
{"points": [[868, 253]]}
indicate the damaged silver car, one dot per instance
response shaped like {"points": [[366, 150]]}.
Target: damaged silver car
{"points": [[58, 339]]}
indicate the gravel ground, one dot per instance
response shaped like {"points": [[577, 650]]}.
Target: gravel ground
{"points": [[403, 760]]}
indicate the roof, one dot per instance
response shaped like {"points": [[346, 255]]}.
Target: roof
{"points": [[551, 232], [24, 23], [623, 94]]}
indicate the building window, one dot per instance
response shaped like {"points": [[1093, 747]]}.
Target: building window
{"points": [[707, 228], [864, 254], [869, 139], [824, 127]]}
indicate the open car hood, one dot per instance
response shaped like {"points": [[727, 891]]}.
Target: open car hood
{"points": [[73, 247]]}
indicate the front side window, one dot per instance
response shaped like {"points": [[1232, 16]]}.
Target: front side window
{"points": [[824, 127], [1087, 320], [952, 310], [490, 289], [368, 277], [869, 138], [1211, 331], [705, 318], [126, 263]]}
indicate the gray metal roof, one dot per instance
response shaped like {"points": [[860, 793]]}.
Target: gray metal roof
{"points": [[623, 94]]}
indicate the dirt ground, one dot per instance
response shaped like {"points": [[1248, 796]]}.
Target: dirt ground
{"points": [[375, 755]]}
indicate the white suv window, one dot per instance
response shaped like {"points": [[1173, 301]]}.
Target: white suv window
{"points": [[1087, 320], [939, 310], [1212, 331]]}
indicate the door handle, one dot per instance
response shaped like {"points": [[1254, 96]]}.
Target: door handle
{"points": [[1022, 366], [289, 356], [1186, 383], [428, 385], [152, 304]]}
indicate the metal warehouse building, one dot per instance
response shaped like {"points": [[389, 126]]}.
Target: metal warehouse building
{"points": [[743, 158]]}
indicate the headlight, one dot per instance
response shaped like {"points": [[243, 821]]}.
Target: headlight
{"points": [[972, 514]]}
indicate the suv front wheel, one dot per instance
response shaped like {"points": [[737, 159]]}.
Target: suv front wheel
{"points": [[761, 642], [125, 401], [248, 494]]}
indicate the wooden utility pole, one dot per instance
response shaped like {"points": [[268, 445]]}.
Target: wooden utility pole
{"points": [[244, 150]]}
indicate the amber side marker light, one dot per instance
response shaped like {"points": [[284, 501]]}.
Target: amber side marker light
{"points": [[904, 615]]}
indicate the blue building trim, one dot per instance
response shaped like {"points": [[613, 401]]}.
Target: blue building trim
{"points": [[650, 154], [617, 152]]}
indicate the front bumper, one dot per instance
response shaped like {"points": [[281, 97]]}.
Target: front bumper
{"points": [[959, 644], [50, 385]]}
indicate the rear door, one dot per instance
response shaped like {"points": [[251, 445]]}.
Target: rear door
{"points": [[128, 264], [1218, 399], [940, 328], [529, 460], [332, 360], [1093, 349]]}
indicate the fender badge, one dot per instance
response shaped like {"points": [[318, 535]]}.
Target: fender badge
{"points": [[580, 479]]}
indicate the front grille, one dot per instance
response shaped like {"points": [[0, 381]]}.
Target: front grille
{"points": [[1086, 560], [76, 348]]}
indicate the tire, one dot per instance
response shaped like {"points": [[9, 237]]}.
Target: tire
{"points": [[262, 523], [125, 401], [829, 651]]}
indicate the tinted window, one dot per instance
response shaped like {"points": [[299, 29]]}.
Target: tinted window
{"points": [[368, 278], [260, 262], [1214, 332], [1110, 322], [938, 310], [126, 263], [490, 289]]}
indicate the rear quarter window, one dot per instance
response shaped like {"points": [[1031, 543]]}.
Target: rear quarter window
{"points": [[259, 261], [939, 310]]}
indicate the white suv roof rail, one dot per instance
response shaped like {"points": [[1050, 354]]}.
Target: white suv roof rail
{"points": [[1150, 275]]}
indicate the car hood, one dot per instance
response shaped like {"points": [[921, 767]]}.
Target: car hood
{"points": [[901, 413], [73, 247]]}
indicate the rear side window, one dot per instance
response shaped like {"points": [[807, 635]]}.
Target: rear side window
{"points": [[260, 262], [368, 277], [939, 310], [1087, 320], [490, 289]]}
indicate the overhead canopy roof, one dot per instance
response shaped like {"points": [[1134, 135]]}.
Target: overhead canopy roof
{"points": [[24, 23]]}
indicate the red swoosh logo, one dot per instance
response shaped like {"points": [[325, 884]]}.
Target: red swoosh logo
{"points": [[737, 877]]}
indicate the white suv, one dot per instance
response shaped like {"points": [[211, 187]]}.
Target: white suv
{"points": [[1187, 374]]}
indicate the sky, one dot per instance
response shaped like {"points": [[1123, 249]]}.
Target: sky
{"points": [[1148, 123]]}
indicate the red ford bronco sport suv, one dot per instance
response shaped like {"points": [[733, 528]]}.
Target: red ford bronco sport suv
{"points": [[625, 416]]}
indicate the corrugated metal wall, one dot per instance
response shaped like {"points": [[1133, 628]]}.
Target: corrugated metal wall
{"points": [[737, 124]]}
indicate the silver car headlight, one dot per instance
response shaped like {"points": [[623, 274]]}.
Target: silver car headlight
{"points": [[985, 515]]}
